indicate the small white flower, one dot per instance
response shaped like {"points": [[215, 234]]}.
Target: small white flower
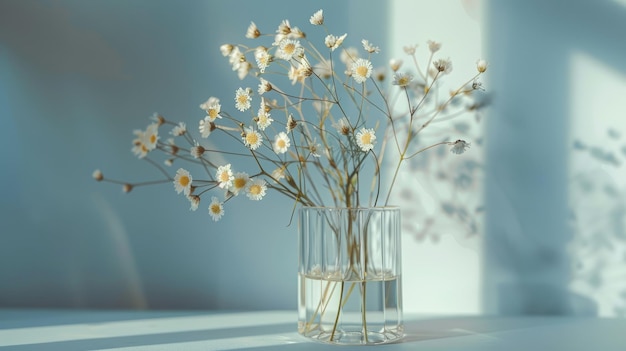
{"points": [[262, 58], [179, 130], [433, 46], [263, 119], [264, 86], [278, 173], [243, 70], [182, 181], [333, 42], [284, 28], [252, 138], [235, 58], [224, 176], [216, 209], [365, 139], [459, 146], [361, 70], [369, 47], [256, 189], [240, 181], [288, 49], [206, 127], [342, 126], [410, 50], [395, 64], [443, 65], [211, 101], [253, 31], [281, 143], [226, 49], [318, 18], [242, 99], [151, 136], [197, 151], [169, 162], [194, 201], [481, 65], [402, 79]]}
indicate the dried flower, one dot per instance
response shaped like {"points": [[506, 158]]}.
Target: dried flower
{"points": [[182, 181], [216, 209], [321, 135], [318, 18], [361, 70], [459, 146]]}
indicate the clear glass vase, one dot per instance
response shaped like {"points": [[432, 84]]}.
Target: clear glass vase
{"points": [[349, 288]]}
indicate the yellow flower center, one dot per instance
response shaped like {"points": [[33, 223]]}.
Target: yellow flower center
{"points": [[255, 189], [252, 138], [366, 138], [239, 183], [403, 81], [153, 138], [224, 177], [216, 208], [243, 99], [290, 48], [213, 113], [361, 71], [281, 143], [183, 180]]}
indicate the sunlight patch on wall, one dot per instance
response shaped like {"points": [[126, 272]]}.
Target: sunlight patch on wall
{"points": [[598, 185]]}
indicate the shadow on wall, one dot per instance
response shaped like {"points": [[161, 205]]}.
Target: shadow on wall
{"points": [[528, 262]]}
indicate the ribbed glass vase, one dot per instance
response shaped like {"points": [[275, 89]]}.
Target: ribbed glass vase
{"points": [[350, 289]]}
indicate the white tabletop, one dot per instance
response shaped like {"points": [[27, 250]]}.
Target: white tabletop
{"points": [[68, 330]]}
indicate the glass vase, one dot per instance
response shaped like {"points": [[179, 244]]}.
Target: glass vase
{"points": [[349, 278]]}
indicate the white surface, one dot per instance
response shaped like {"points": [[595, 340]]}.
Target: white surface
{"points": [[275, 330]]}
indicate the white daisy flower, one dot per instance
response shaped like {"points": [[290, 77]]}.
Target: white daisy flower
{"points": [[211, 101], [194, 201], [182, 181], [242, 99], [365, 139], [256, 189], [179, 130], [459, 146], [263, 120], [240, 181], [224, 176], [433, 46], [253, 31], [216, 209], [151, 136], [281, 143], [252, 138], [481, 65], [402, 79], [235, 58], [288, 49], [279, 173], [317, 19], [361, 70], [243, 70], [443, 65], [206, 127], [369, 47], [262, 58], [333, 42], [264, 86]]}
